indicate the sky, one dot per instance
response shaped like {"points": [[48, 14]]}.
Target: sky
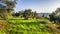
{"points": [[40, 6]]}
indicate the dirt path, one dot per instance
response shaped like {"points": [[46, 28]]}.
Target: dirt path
{"points": [[53, 28], [3, 24]]}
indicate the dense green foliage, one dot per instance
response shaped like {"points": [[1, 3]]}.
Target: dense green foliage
{"points": [[16, 27], [55, 16], [20, 26], [28, 13]]}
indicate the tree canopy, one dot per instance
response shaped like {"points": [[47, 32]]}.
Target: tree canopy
{"points": [[55, 16], [8, 8]]}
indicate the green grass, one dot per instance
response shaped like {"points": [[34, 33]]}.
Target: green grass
{"points": [[27, 27], [31, 26], [2, 31]]}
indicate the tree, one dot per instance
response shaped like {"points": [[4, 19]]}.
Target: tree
{"points": [[27, 13], [35, 14], [55, 16], [21, 13], [9, 3], [8, 8], [16, 14]]}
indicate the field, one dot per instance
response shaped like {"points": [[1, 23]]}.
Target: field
{"points": [[30, 26], [27, 27]]}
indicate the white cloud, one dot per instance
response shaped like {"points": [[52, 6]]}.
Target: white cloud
{"points": [[49, 8], [44, 6]]}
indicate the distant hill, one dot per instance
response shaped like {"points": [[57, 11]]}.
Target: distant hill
{"points": [[45, 14]]}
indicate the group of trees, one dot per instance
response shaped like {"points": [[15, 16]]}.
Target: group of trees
{"points": [[6, 7], [55, 16], [9, 5], [28, 13]]}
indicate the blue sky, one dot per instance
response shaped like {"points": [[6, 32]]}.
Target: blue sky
{"points": [[41, 6]]}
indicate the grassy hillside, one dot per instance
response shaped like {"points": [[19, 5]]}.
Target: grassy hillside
{"points": [[17, 25], [20, 26]]}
